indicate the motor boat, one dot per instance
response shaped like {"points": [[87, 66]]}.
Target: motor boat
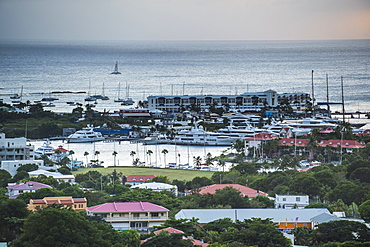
{"points": [[45, 149], [239, 132], [198, 136], [85, 135]]}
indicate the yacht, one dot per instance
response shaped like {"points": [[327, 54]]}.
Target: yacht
{"points": [[85, 135], [155, 139], [198, 136], [312, 123], [45, 149], [240, 132]]}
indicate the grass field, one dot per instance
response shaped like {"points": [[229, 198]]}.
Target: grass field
{"points": [[179, 174]]}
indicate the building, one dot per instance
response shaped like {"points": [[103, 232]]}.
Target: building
{"points": [[78, 204], [291, 201], [243, 102], [138, 179], [57, 175], [285, 219], [15, 152], [244, 190], [16, 189], [140, 216], [158, 187]]}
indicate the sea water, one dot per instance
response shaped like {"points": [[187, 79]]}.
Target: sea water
{"points": [[184, 68]]}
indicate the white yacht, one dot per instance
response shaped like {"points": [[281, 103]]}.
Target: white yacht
{"points": [[85, 135], [312, 123], [198, 136], [240, 132], [155, 139], [45, 149]]}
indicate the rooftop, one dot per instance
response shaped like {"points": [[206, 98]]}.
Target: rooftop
{"points": [[126, 207]]}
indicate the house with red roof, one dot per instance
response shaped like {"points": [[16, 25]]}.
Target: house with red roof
{"points": [[171, 230], [138, 179], [140, 216], [14, 190], [78, 204], [244, 190], [346, 144]]}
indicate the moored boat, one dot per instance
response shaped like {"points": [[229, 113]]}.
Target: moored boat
{"points": [[85, 135]]}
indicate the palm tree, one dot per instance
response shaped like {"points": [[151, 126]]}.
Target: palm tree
{"points": [[71, 152], [114, 154], [132, 154], [221, 162], [150, 152], [97, 155], [209, 159], [164, 152], [86, 154], [197, 161]]}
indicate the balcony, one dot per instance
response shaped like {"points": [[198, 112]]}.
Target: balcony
{"points": [[124, 219]]}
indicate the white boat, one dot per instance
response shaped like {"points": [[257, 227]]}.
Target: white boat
{"points": [[155, 139], [128, 100], [45, 149], [198, 136], [85, 135], [239, 132], [116, 72], [312, 123]]}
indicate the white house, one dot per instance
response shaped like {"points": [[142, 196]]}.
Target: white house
{"points": [[158, 187], [11, 166], [57, 175], [16, 189], [291, 201]]}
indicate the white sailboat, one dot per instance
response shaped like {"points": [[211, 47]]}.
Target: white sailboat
{"points": [[116, 72], [128, 100]]}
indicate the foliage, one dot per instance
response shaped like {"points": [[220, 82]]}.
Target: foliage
{"points": [[364, 210], [28, 167], [12, 213], [54, 226], [165, 239]]}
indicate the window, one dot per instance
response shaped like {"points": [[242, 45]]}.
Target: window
{"points": [[136, 215], [155, 214], [297, 199], [104, 215], [284, 199]]}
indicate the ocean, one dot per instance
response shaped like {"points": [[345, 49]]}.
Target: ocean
{"points": [[183, 67]]}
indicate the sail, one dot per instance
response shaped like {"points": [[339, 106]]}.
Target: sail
{"points": [[116, 72]]}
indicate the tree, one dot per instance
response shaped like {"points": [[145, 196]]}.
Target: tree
{"points": [[114, 155], [12, 213], [132, 154], [55, 226], [166, 239], [197, 161], [28, 167], [164, 152], [71, 153], [97, 155], [150, 152], [364, 210], [341, 231], [86, 154], [4, 178]]}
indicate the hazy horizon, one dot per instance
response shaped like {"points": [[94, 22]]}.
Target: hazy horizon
{"points": [[184, 20]]}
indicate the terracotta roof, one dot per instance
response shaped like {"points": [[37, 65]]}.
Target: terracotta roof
{"points": [[244, 190], [263, 137], [291, 141], [326, 131], [30, 185], [138, 178], [126, 207], [60, 149], [343, 143], [168, 229]]}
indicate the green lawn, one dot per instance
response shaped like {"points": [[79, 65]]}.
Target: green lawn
{"points": [[172, 174]]}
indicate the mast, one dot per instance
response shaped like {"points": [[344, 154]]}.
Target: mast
{"points": [[313, 97], [327, 95], [341, 79]]}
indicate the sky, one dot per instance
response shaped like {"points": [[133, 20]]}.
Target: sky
{"points": [[184, 19]]}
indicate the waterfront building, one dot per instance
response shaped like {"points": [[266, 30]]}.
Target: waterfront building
{"points": [[78, 204], [243, 102], [140, 216], [15, 152]]}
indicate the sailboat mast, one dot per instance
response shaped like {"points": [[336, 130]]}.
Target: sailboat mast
{"points": [[313, 96], [341, 79]]}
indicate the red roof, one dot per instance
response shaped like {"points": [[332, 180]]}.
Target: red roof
{"points": [[343, 143], [126, 207], [291, 141], [168, 229], [60, 149], [326, 131], [263, 137], [244, 190], [139, 178]]}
